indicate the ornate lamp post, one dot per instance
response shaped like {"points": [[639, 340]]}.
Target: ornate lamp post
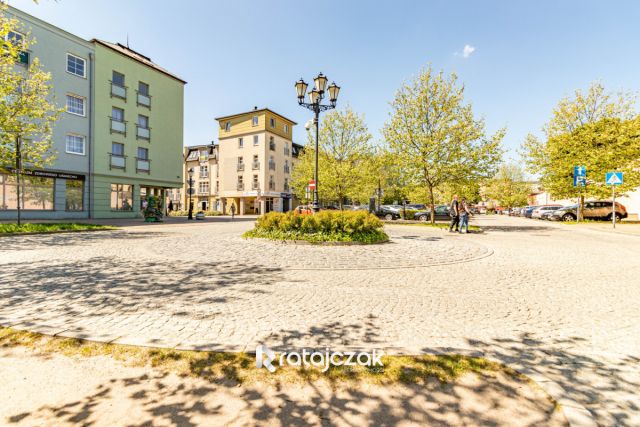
{"points": [[190, 182], [315, 104]]}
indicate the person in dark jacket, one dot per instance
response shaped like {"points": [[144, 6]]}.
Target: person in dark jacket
{"points": [[454, 212]]}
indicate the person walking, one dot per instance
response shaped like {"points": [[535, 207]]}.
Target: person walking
{"points": [[463, 209], [454, 212], [233, 211]]}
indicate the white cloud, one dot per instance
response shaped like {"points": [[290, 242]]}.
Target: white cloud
{"points": [[467, 50]]}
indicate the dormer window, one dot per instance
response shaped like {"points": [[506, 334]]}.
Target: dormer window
{"points": [[254, 121], [227, 126]]}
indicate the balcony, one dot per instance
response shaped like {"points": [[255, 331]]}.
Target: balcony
{"points": [[143, 165], [118, 91], [203, 192], [240, 167], [272, 166], [118, 126], [255, 166], [143, 133], [240, 186], [117, 161], [144, 100], [255, 185]]}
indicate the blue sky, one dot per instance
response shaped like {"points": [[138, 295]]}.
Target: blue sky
{"points": [[241, 53]]}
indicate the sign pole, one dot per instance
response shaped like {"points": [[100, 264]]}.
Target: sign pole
{"points": [[613, 207]]}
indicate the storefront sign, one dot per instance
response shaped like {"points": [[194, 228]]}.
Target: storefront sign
{"points": [[50, 174]]}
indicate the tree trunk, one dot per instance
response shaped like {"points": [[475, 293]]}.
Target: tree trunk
{"points": [[432, 204]]}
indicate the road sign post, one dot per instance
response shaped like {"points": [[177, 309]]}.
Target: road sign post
{"points": [[580, 180], [613, 179]]}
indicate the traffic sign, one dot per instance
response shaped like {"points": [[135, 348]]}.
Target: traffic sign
{"points": [[614, 178], [191, 191], [579, 176], [312, 184]]}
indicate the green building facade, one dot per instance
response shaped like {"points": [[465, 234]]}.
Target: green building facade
{"points": [[138, 131]]}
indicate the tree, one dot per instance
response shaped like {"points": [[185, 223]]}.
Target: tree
{"points": [[345, 159], [508, 187], [27, 114], [435, 134], [592, 129]]}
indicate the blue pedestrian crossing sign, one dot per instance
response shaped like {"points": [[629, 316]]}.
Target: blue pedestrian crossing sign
{"points": [[579, 176], [614, 178]]}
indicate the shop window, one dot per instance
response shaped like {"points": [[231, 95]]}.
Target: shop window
{"points": [[121, 197], [74, 195]]}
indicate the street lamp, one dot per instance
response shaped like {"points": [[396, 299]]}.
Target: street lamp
{"points": [[315, 104], [190, 182]]}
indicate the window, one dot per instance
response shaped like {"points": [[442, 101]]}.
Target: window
{"points": [[240, 143], [256, 164], [76, 65], [117, 114], [286, 128], [121, 197], [143, 153], [143, 121], [227, 126], [286, 149], [286, 166], [75, 105], [254, 121], [272, 164], [272, 183], [272, 144], [240, 183], [286, 184], [75, 144], [74, 195], [203, 187], [255, 184], [117, 79], [36, 193], [256, 140], [143, 89], [272, 122], [204, 171], [117, 149], [17, 39]]}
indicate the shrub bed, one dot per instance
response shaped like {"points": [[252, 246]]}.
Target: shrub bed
{"points": [[325, 226]]}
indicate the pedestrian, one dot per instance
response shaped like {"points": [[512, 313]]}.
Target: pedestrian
{"points": [[233, 211], [454, 212], [463, 209]]}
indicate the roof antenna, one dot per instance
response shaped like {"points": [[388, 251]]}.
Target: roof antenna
{"points": [[127, 40]]}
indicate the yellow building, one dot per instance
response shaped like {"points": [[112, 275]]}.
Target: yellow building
{"points": [[255, 157], [202, 160]]}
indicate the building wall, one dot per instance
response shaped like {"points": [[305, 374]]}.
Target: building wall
{"points": [[51, 48], [165, 120]]}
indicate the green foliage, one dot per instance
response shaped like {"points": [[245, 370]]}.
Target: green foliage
{"points": [[153, 212], [509, 187], [345, 159], [49, 227], [325, 226], [437, 139], [592, 131]]}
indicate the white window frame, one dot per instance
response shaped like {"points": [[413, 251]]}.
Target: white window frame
{"points": [[227, 127], [255, 121], [84, 69], [84, 144], [84, 104], [240, 142], [256, 140], [286, 128]]}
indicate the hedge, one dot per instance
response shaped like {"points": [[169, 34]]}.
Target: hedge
{"points": [[325, 226]]}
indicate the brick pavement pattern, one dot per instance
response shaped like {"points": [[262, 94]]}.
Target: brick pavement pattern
{"points": [[563, 301]]}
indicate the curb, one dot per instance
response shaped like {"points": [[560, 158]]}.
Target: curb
{"points": [[35, 233]]}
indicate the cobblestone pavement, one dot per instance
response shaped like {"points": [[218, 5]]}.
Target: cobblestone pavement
{"points": [[563, 301]]}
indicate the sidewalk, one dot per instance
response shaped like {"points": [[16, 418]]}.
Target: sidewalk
{"points": [[136, 222]]}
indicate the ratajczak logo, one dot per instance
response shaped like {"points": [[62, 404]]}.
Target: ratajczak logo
{"points": [[266, 358]]}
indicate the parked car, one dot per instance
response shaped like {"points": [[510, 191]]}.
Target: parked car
{"points": [[416, 207], [537, 212], [200, 215], [442, 214], [387, 213], [528, 211], [596, 210], [546, 215]]}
